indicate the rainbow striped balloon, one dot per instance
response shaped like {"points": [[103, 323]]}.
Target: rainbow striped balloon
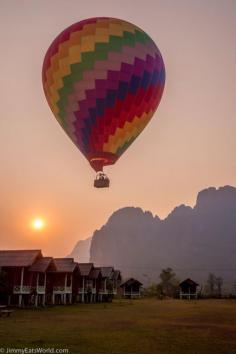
{"points": [[103, 79]]}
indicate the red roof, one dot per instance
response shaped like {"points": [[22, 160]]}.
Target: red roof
{"points": [[43, 264], [19, 258], [107, 272], [95, 273], [65, 265], [85, 269], [116, 274]]}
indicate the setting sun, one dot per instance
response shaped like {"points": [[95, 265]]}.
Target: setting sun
{"points": [[38, 224]]}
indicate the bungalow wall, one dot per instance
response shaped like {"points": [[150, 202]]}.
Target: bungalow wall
{"points": [[19, 282]]}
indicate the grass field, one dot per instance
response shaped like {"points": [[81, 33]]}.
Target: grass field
{"points": [[147, 326]]}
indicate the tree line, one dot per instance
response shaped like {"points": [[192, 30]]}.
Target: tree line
{"points": [[169, 286]]}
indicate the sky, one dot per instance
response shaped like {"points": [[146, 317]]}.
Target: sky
{"points": [[189, 144]]}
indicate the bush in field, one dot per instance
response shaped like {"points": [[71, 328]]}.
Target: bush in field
{"points": [[152, 290]]}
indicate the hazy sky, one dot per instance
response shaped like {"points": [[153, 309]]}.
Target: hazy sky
{"points": [[189, 145]]}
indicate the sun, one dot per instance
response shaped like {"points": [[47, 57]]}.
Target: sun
{"points": [[38, 224]]}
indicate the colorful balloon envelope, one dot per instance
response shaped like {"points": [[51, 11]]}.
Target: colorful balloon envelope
{"points": [[103, 79]]}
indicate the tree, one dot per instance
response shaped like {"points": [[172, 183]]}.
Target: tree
{"points": [[234, 290], [169, 283], [211, 281], [219, 283]]}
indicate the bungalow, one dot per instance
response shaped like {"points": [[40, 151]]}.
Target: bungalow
{"points": [[16, 266], [188, 289], [116, 281], [85, 286], [40, 270], [95, 278], [131, 288], [63, 280], [106, 288]]}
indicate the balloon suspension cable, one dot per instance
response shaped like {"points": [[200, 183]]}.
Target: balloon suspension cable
{"points": [[101, 180]]}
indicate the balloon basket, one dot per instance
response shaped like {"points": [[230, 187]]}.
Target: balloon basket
{"points": [[101, 181]]}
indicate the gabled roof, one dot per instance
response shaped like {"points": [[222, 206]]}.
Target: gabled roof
{"points": [[43, 264], [107, 272], [130, 282], [116, 274], [65, 265], [85, 269], [95, 273], [19, 258], [188, 281]]}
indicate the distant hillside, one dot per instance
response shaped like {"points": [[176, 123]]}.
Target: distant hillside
{"points": [[193, 241], [81, 251]]}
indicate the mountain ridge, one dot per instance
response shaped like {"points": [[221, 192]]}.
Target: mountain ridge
{"points": [[192, 240]]}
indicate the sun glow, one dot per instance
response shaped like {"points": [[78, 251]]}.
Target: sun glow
{"points": [[38, 224]]}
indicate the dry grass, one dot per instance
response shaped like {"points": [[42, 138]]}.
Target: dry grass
{"points": [[146, 326]]}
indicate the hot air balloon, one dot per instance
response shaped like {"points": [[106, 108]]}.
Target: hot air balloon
{"points": [[103, 79]]}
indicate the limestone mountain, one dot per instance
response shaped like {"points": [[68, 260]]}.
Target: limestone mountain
{"points": [[193, 241]]}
